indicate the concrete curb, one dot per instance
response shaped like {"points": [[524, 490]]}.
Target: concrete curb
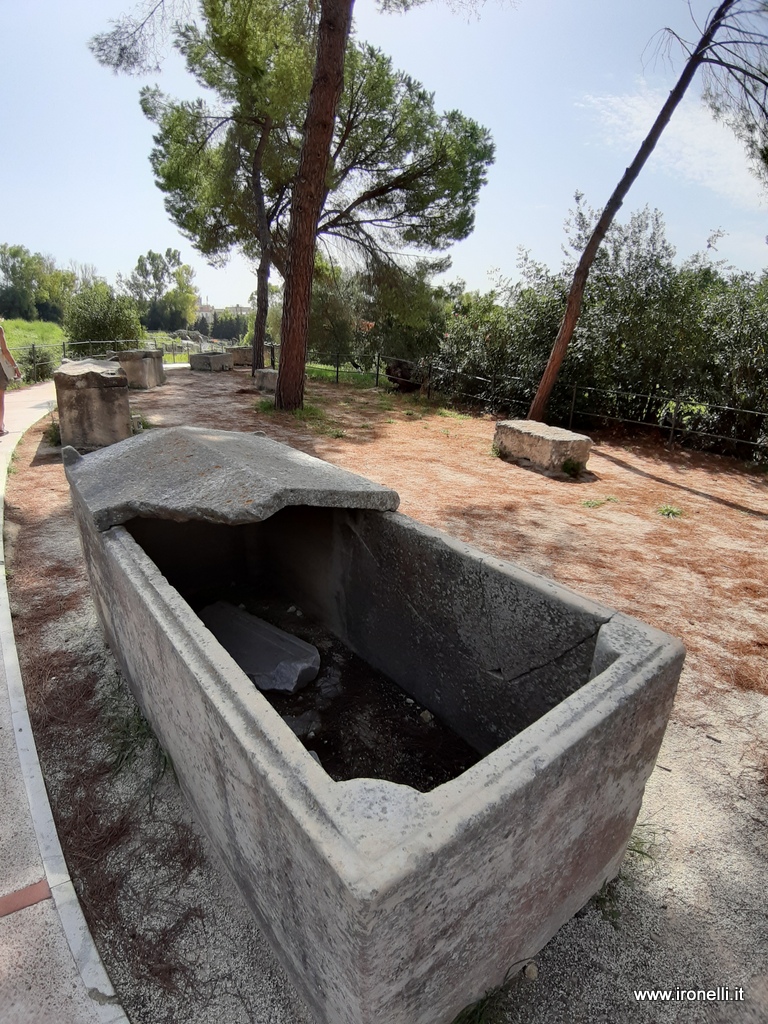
{"points": [[98, 991]]}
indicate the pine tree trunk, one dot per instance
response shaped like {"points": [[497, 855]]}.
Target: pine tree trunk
{"points": [[576, 294], [308, 193], [262, 308], [265, 244]]}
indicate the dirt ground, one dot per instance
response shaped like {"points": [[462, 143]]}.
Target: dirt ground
{"points": [[696, 916]]}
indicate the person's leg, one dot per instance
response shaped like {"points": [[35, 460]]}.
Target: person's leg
{"points": [[2, 412]]}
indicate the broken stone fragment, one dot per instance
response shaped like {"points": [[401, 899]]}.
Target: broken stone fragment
{"points": [[304, 725], [270, 657]]}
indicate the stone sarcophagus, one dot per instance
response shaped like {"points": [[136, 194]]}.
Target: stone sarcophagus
{"points": [[386, 903]]}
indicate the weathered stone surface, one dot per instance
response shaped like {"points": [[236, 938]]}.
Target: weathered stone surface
{"points": [[214, 361], [92, 400], [242, 355], [79, 374], [223, 477], [385, 905], [544, 446], [265, 380], [143, 367], [270, 657]]}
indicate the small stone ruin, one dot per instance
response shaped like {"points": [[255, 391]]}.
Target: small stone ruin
{"points": [[542, 446], [143, 367], [211, 361], [265, 380], [92, 400]]}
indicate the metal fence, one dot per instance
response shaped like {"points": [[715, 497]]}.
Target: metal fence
{"points": [[38, 362], [680, 419]]}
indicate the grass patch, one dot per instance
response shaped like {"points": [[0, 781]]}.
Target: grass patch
{"points": [[265, 405], [669, 511], [598, 502], [356, 378], [21, 334], [309, 413], [454, 415], [641, 848], [52, 434], [572, 468]]}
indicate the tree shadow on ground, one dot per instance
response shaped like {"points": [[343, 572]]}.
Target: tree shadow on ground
{"points": [[622, 464]]}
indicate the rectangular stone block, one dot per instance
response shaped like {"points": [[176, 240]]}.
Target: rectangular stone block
{"points": [[92, 400], [270, 657], [213, 361], [242, 355], [143, 367], [385, 905], [543, 446], [265, 380]]}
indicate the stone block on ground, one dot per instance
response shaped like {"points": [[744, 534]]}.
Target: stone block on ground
{"points": [[265, 380], [546, 447], [143, 367], [92, 399], [242, 355], [215, 361], [270, 657]]}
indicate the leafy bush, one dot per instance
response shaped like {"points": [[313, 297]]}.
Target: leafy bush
{"points": [[37, 364], [670, 345], [96, 314]]}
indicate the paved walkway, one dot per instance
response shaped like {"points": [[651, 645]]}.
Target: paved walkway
{"points": [[50, 971]]}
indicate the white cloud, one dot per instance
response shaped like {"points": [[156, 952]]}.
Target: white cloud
{"points": [[694, 147]]}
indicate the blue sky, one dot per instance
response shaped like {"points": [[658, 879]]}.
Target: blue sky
{"points": [[567, 89]]}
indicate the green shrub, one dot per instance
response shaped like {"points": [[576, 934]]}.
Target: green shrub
{"points": [[572, 467], [37, 364], [96, 314]]}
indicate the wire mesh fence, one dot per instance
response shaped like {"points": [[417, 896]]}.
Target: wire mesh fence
{"points": [[680, 419]]}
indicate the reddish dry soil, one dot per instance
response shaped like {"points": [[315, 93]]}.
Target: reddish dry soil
{"points": [[701, 576]]}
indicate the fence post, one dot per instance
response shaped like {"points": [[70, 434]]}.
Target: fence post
{"points": [[429, 381], [573, 407], [337, 366], [672, 428], [378, 366]]}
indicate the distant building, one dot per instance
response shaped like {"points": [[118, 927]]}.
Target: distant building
{"points": [[206, 311]]}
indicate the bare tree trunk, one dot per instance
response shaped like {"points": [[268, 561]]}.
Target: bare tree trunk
{"points": [[573, 307], [262, 308], [265, 244], [308, 193]]}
